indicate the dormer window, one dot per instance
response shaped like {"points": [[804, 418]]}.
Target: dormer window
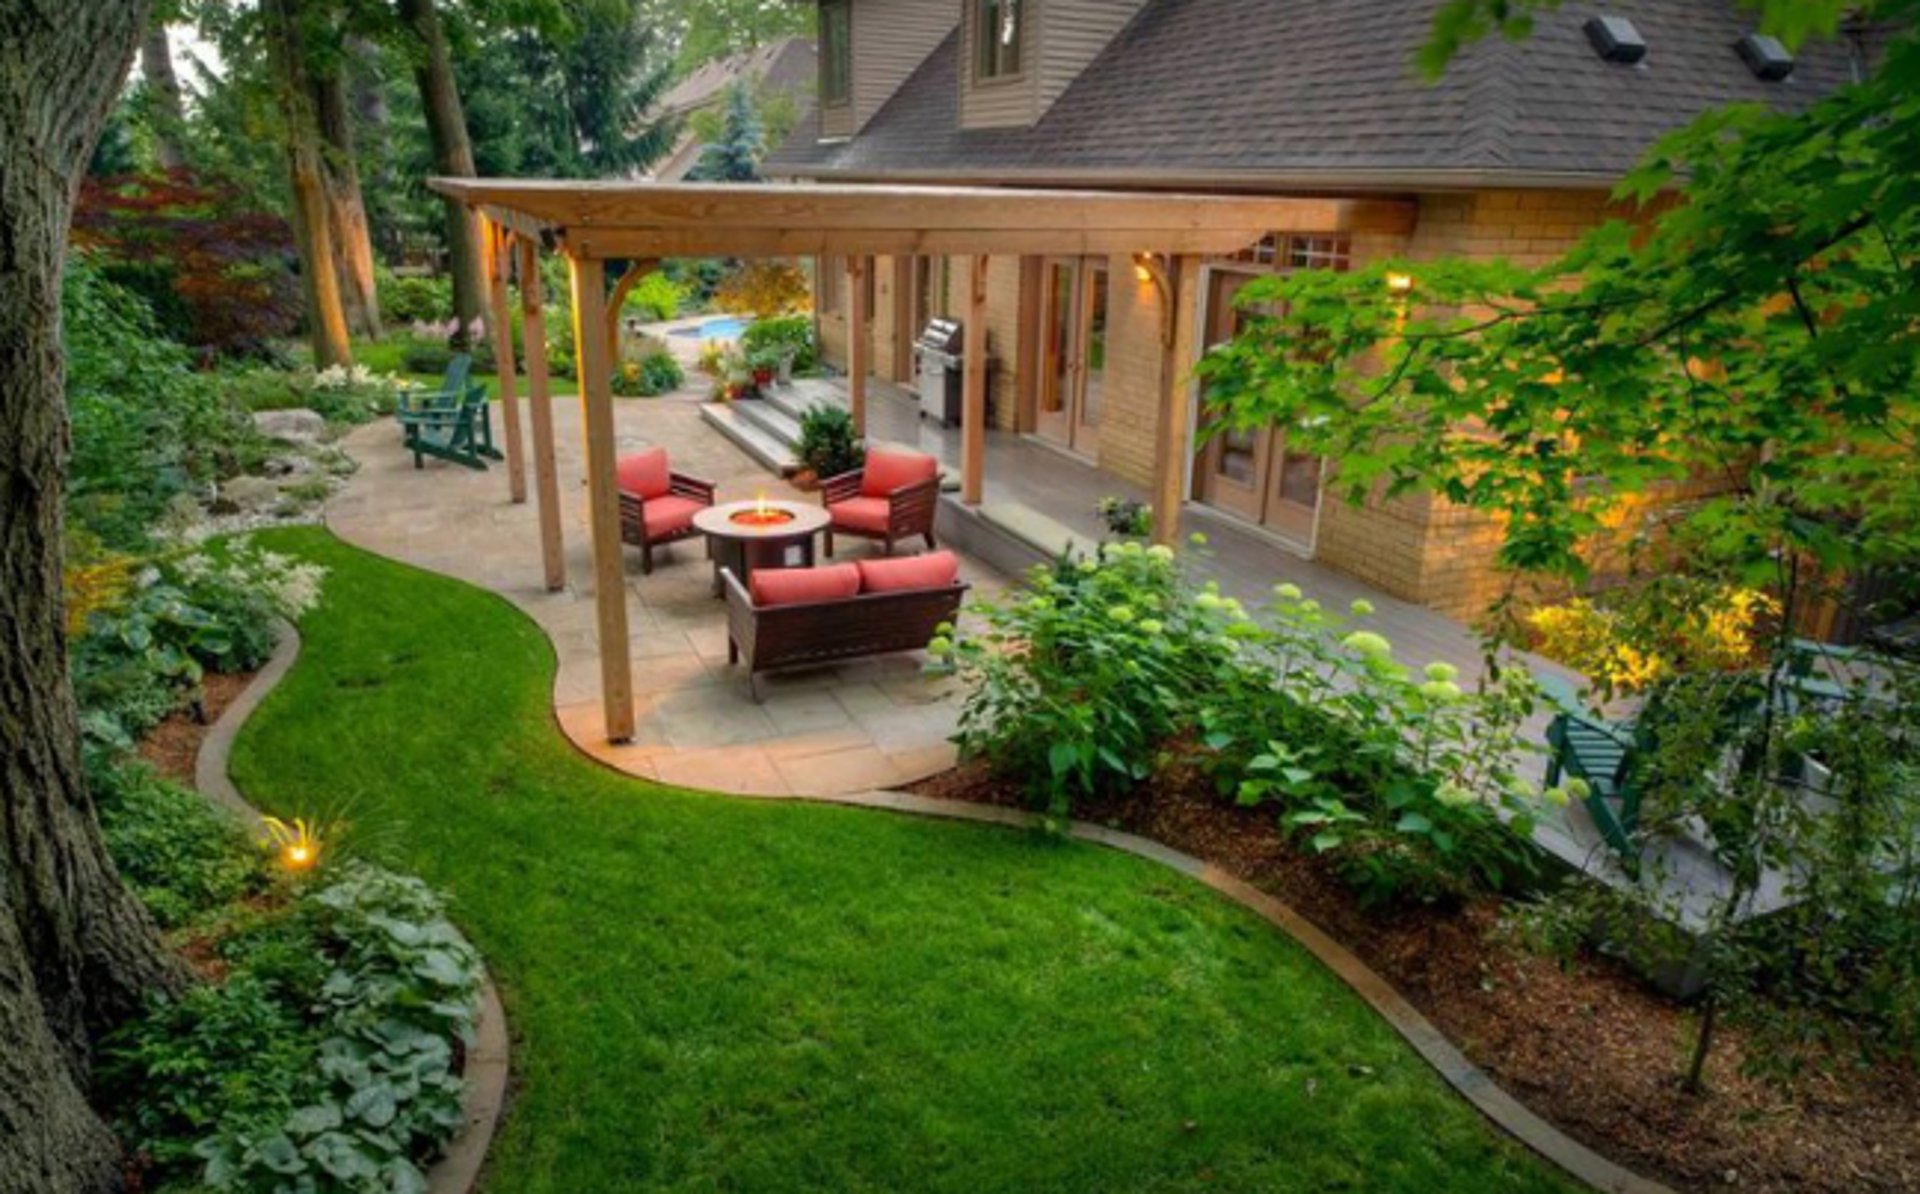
{"points": [[996, 38], [836, 51]]}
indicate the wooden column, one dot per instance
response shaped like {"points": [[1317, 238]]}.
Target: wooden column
{"points": [[973, 378], [1026, 369], [1171, 446], [546, 471], [859, 346], [499, 314], [595, 372]]}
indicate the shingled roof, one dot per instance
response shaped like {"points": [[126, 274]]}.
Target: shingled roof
{"points": [[1323, 92]]}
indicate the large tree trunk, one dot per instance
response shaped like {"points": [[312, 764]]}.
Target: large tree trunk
{"points": [[168, 113], [346, 206], [452, 154], [372, 118], [326, 313], [76, 950]]}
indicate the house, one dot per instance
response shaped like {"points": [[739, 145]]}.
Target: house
{"points": [[786, 67], [1511, 154]]}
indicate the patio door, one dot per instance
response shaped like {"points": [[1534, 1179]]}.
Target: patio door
{"points": [[1252, 474], [1073, 352]]}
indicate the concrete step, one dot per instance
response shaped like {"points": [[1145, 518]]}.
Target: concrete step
{"points": [[805, 393], [777, 423], [748, 436]]}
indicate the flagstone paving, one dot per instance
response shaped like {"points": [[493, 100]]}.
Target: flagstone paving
{"points": [[828, 731]]}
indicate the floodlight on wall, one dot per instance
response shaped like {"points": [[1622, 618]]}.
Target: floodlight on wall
{"points": [[1616, 40], [1765, 57]]}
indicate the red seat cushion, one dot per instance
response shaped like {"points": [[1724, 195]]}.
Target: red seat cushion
{"points": [[797, 586], [888, 471], [935, 570], [669, 515], [643, 474], [869, 514]]}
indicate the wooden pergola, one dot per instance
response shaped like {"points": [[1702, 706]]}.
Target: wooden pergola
{"points": [[635, 224]]}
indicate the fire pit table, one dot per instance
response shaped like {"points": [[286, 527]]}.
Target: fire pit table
{"points": [[743, 536]]}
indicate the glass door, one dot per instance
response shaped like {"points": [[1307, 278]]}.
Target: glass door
{"points": [[1073, 352], [1252, 474]]}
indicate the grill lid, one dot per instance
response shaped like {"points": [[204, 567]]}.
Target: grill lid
{"points": [[942, 335]]}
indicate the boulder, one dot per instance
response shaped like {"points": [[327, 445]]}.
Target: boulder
{"points": [[298, 426], [250, 493]]}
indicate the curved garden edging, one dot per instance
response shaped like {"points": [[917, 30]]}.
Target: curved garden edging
{"points": [[485, 1073]]}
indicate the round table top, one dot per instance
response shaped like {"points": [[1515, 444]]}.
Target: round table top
{"points": [[718, 521]]}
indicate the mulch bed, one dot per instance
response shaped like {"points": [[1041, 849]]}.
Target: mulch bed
{"points": [[172, 746], [1588, 1044]]}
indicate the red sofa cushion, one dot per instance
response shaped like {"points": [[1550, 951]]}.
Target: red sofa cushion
{"points": [[935, 570], [668, 515], [798, 586], [869, 514], [888, 471], [643, 474]]}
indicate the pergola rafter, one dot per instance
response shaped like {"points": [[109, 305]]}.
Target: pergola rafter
{"points": [[592, 223]]}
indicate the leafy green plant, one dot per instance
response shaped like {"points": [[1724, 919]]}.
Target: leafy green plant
{"points": [[791, 336], [654, 298], [181, 856], [655, 373], [829, 444], [1125, 517], [412, 298], [356, 394]]}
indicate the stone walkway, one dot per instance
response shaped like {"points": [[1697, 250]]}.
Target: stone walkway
{"points": [[852, 728]]}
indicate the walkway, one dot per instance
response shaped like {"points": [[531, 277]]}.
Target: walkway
{"points": [[851, 728]]}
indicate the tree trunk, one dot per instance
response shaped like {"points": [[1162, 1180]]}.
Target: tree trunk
{"points": [[168, 114], [452, 154], [77, 952], [346, 206], [372, 118], [326, 313]]}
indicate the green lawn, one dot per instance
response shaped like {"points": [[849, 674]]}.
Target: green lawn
{"points": [[718, 994]]}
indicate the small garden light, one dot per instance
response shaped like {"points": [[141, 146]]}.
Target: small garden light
{"points": [[297, 842], [1400, 284]]}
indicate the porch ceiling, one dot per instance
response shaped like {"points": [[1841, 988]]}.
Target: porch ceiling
{"points": [[591, 219]]}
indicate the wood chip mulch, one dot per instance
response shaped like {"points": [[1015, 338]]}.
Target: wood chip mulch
{"points": [[1586, 1044], [173, 746]]}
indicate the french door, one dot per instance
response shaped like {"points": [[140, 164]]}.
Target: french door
{"points": [[1073, 351], [1253, 474]]}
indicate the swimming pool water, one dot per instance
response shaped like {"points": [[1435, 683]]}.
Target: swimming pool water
{"points": [[727, 327]]}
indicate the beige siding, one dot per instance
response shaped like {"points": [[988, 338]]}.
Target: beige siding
{"points": [[998, 103], [1072, 34], [836, 122], [891, 38]]}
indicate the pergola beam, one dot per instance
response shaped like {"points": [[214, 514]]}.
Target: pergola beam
{"points": [[499, 316], [546, 472], [595, 374]]}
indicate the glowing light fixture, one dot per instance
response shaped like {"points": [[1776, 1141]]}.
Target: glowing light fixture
{"points": [[1400, 283], [297, 842]]}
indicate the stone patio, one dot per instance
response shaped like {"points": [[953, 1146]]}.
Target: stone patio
{"points": [[850, 728]]}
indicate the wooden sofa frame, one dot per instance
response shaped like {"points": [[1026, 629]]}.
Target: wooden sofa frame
{"points": [[911, 509], [633, 516], [780, 637]]}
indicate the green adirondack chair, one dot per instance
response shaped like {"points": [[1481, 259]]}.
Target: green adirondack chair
{"points": [[1581, 745], [451, 392], [461, 433]]}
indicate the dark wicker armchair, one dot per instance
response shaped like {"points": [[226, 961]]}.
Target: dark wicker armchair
{"points": [[892, 497], [657, 505]]}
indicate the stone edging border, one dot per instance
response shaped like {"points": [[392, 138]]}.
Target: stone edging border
{"points": [[485, 1074], [1468, 1080]]}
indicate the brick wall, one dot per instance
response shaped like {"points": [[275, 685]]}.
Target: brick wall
{"points": [[1133, 390]]}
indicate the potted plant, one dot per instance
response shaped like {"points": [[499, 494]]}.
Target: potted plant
{"points": [[828, 446], [763, 364]]}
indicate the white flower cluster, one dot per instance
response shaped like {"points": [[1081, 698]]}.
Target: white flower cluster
{"points": [[357, 377], [290, 586]]}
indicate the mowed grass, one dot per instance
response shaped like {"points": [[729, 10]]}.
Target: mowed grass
{"points": [[708, 993]]}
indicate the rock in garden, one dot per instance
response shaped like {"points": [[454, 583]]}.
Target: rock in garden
{"points": [[297, 426], [250, 493]]}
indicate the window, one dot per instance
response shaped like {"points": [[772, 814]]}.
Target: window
{"points": [[836, 51], [827, 275], [1297, 252], [996, 39]]}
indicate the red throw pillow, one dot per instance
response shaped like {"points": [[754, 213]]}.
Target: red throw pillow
{"points": [[643, 474], [799, 586], [888, 471], [935, 570]]}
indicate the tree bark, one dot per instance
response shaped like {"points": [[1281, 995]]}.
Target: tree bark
{"points": [[347, 225], [326, 312], [372, 120], [452, 154], [77, 951], [168, 113]]}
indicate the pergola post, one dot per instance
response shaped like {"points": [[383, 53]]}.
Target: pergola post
{"points": [[858, 346], [546, 471], [1176, 411], [973, 378], [499, 245], [603, 499]]}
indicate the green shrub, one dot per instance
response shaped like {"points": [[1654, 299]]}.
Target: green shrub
{"points": [[653, 374], [413, 298], [426, 356], [789, 336], [829, 445], [654, 298], [182, 857], [356, 394]]}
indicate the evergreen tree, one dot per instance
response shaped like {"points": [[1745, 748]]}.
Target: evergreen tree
{"points": [[735, 157]]}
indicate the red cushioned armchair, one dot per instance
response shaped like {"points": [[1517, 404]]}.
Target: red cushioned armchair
{"points": [[892, 497], [657, 505]]}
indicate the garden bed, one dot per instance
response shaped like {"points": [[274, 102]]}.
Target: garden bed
{"points": [[173, 746], [1589, 1045]]}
